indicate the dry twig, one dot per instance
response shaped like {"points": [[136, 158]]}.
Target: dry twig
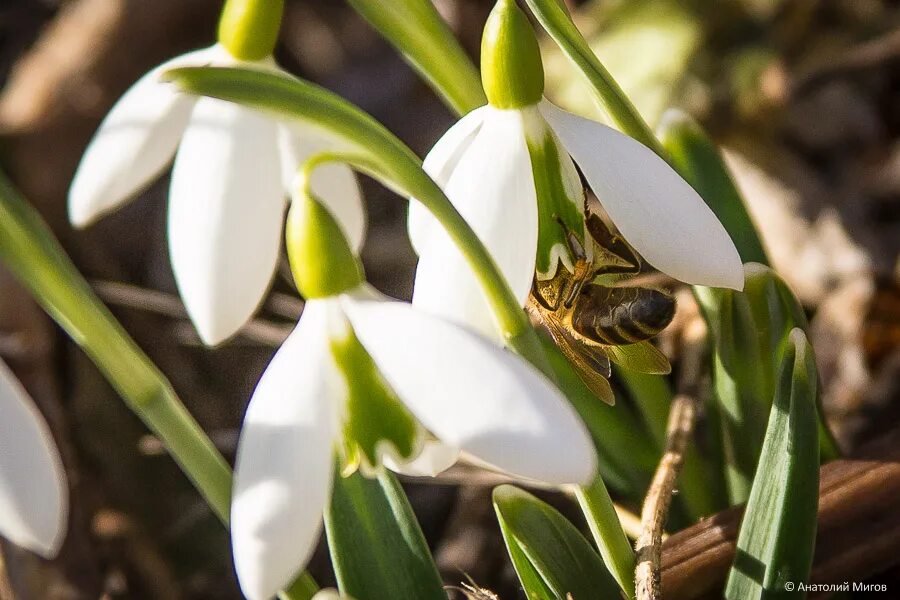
{"points": [[659, 497], [259, 331]]}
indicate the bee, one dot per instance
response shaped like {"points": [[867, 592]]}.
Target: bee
{"points": [[594, 324]]}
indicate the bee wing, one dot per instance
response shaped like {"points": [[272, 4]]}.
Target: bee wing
{"points": [[591, 362], [643, 357]]}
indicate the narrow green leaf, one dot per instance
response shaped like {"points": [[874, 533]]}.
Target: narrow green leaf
{"points": [[652, 394], [555, 550], [698, 160], [627, 454], [606, 528], [376, 545], [30, 250], [777, 537], [749, 332], [532, 582], [416, 29], [33, 254]]}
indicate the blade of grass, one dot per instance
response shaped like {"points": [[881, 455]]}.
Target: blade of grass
{"points": [[33, 254], [777, 537], [376, 545]]}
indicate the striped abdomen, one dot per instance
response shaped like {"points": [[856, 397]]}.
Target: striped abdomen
{"points": [[622, 315]]}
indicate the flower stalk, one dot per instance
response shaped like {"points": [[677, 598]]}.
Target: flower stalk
{"points": [[29, 249], [554, 17], [608, 533], [394, 164], [416, 29], [249, 28]]}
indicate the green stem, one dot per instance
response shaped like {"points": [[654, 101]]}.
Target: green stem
{"points": [[33, 254], [606, 528], [368, 146], [304, 587], [554, 17], [416, 29]]}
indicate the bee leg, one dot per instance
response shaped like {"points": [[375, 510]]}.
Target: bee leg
{"points": [[572, 241], [583, 269], [614, 245]]}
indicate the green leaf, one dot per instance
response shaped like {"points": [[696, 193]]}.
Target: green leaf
{"points": [[416, 29], [376, 546], [777, 537], [549, 553], [532, 582], [606, 528], [698, 160], [698, 492], [626, 453], [32, 253], [750, 332]]}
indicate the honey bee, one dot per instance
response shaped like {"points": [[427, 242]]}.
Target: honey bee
{"points": [[594, 324]]}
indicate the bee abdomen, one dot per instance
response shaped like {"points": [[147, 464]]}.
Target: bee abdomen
{"points": [[622, 315]]}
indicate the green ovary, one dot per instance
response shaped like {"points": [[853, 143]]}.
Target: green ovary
{"points": [[375, 420]]}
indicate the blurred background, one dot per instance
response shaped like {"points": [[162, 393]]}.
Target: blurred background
{"points": [[803, 95]]}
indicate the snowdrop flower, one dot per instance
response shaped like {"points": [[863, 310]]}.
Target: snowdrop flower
{"points": [[509, 168], [33, 491], [381, 383], [226, 197]]}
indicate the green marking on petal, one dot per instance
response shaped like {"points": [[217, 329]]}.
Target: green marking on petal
{"points": [[376, 420], [560, 197]]}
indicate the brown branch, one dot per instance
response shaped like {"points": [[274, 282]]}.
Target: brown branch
{"points": [[858, 534], [680, 427], [659, 497], [259, 331], [6, 590]]}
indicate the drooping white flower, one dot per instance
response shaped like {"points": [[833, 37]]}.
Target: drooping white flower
{"points": [[508, 168], [378, 382], [33, 491], [228, 187]]}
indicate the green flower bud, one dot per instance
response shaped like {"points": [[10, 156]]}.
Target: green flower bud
{"points": [[249, 28], [511, 69], [322, 262]]}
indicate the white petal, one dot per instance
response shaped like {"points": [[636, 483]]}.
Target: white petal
{"points": [[473, 395], [136, 141], [33, 492], [435, 457], [439, 163], [333, 183], [285, 460], [329, 594], [655, 209], [493, 188], [226, 208]]}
